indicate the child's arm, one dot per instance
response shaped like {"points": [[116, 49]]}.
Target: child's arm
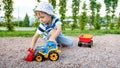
{"points": [[55, 32], [34, 40], [30, 55]]}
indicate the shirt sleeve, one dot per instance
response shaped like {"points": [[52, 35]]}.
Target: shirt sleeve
{"points": [[58, 23], [40, 29]]}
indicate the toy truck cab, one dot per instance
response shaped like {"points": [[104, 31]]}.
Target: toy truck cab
{"points": [[50, 50]]}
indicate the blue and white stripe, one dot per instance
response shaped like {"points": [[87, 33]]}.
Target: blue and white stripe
{"points": [[47, 28]]}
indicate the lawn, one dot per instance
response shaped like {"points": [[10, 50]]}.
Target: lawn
{"points": [[76, 32]]}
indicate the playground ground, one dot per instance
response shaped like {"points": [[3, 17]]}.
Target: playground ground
{"points": [[105, 53]]}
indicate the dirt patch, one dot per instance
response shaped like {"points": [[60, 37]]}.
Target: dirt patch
{"points": [[104, 54]]}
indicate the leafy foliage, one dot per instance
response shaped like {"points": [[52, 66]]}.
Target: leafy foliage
{"points": [[8, 8], [62, 12], [0, 7], [94, 20], [36, 23], [92, 7], [75, 11], [38, 0], [53, 2], [97, 19], [26, 21], [107, 4], [118, 22], [83, 18], [114, 4], [20, 23]]}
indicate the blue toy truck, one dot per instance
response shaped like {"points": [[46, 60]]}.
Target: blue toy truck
{"points": [[50, 51]]}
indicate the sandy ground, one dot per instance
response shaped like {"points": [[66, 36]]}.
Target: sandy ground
{"points": [[105, 53]]}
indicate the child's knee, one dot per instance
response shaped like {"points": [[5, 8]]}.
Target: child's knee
{"points": [[71, 43]]}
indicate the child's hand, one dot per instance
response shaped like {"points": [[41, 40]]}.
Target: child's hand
{"points": [[30, 50], [50, 39]]}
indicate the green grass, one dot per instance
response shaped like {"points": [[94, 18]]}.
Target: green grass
{"points": [[16, 33], [67, 32], [94, 32]]}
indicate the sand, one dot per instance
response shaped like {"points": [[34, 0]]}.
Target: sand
{"points": [[105, 53]]}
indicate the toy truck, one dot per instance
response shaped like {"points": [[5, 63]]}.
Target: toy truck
{"points": [[85, 40], [50, 51]]}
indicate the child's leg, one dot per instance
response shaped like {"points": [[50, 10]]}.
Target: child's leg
{"points": [[61, 39], [67, 41]]}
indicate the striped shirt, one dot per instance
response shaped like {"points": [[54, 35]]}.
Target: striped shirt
{"points": [[44, 29]]}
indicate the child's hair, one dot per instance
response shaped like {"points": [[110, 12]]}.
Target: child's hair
{"points": [[45, 7]]}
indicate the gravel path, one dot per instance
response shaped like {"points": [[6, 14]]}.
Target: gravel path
{"points": [[104, 54]]}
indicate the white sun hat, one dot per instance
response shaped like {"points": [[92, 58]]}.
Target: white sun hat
{"points": [[45, 7]]}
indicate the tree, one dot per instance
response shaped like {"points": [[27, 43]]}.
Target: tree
{"points": [[97, 21], [0, 6], [75, 11], [26, 20], [38, 0], [92, 7], [53, 2], [21, 23], [83, 18], [8, 8], [36, 23], [118, 23], [114, 4], [107, 4], [62, 12]]}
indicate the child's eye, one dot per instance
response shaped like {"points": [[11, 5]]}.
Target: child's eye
{"points": [[37, 15], [41, 16]]}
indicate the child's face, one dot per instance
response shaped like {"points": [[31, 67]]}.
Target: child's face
{"points": [[44, 17]]}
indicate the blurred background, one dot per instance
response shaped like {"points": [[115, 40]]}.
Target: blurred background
{"points": [[74, 14]]}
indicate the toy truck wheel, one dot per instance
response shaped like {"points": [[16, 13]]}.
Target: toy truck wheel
{"points": [[79, 44], [53, 56], [39, 57], [90, 43]]}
